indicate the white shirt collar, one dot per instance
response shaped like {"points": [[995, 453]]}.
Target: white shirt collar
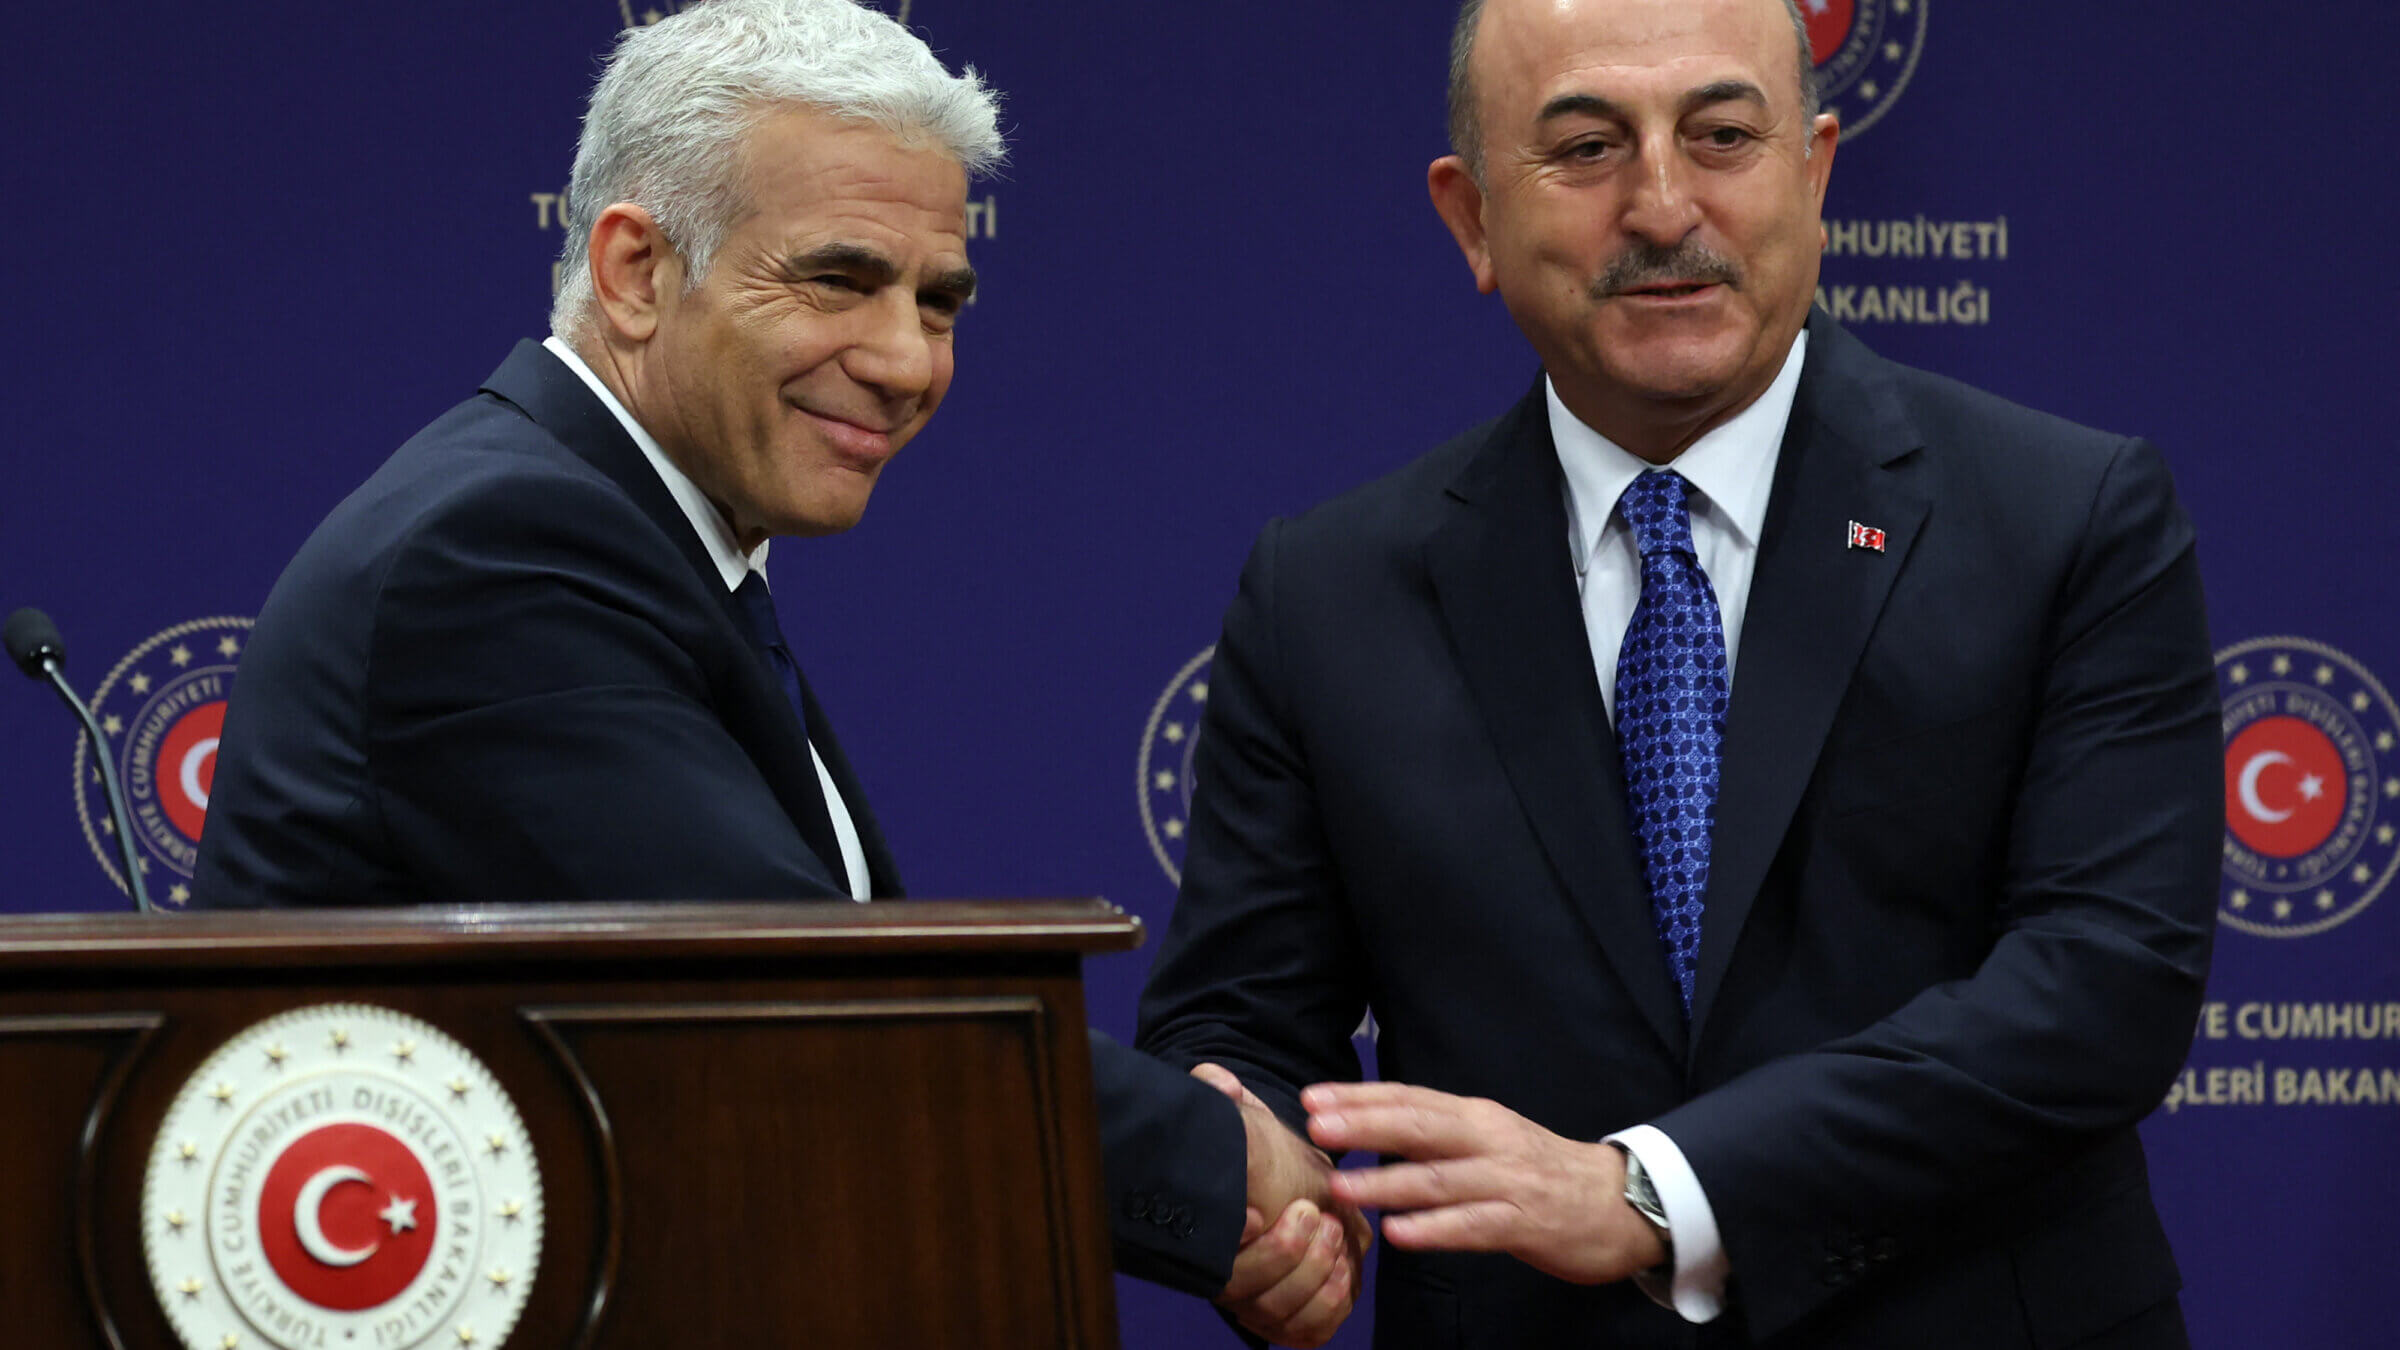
{"points": [[715, 534], [1732, 466]]}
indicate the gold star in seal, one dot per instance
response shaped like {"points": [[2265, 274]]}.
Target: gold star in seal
{"points": [[1173, 731], [1163, 781], [191, 1287], [181, 656], [2240, 674], [187, 1153], [1173, 829], [405, 1051], [2283, 909], [511, 1210], [2391, 787], [226, 646], [222, 1093], [1200, 692], [496, 1144], [2359, 701], [276, 1054], [176, 1219], [2241, 899], [2384, 834], [139, 684], [340, 1039], [2384, 742], [2362, 874], [499, 1278], [2281, 665], [466, 1335], [458, 1088], [113, 725], [179, 894], [230, 1342], [2325, 900], [2324, 674]]}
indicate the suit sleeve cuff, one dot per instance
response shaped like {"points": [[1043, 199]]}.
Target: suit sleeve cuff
{"points": [[1695, 1289]]}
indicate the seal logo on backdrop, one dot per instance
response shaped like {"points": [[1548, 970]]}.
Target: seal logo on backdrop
{"points": [[2312, 801], [646, 12], [1866, 52], [163, 708], [342, 1175], [1163, 775]]}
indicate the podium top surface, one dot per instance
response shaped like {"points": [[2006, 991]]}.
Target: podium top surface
{"points": [[580, 931]]}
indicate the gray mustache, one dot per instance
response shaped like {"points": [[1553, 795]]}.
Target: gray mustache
{"points": [[1687, 263]]}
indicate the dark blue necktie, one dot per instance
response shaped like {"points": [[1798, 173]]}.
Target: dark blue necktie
{"points": [[1671, 714], [766, 634]]}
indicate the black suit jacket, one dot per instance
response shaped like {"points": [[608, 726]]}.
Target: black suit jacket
{"points": [[1961, 891], [507, 669]]}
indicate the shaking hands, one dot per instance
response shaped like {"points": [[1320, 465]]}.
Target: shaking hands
{"points": [[1296, 1275]]}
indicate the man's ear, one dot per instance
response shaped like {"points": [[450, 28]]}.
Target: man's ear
{"points": [[1459, 199], [634, 270], [1824, 136]]}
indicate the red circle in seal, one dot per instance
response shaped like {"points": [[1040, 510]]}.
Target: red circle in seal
{"points": [[2285, 786], [1828, 26], [189, 748], [374, 1216]]}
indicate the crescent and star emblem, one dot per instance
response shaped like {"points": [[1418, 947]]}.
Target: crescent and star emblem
{"points": [[308, 1217], [2310, 787]]}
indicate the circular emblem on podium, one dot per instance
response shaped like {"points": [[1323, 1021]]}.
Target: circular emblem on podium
{"points": [[1866, 54], [1163, 774], [162, 708], [2312, 804], [342, 1176]]}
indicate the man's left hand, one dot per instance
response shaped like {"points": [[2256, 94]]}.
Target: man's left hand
{"points": [[1481, 1178]]}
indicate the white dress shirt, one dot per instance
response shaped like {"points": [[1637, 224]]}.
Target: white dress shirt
{"points": [[733, 565], [1731, 470]]}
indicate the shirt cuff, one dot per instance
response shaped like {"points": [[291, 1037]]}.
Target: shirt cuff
{"points": [[1696, 1290]]}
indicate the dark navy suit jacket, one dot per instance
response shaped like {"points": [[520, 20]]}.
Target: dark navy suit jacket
{"points": [[1961, 895], [506, 669]]}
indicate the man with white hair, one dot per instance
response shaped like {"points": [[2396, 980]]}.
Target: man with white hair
{"points": [[534, 656]]}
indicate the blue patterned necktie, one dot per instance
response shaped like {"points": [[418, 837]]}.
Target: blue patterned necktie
{"points": [[1671, 714]]}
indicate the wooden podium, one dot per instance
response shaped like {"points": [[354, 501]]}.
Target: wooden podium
{"points": [[819, 1125]]}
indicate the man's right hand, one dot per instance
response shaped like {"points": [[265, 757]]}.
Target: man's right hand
{"points": [[1296, 1280]]}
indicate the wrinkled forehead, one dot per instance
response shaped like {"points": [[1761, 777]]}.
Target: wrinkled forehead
{"points": [[1530, 52]]}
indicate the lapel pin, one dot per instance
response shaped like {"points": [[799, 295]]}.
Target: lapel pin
{"points": [[1866, 537]]}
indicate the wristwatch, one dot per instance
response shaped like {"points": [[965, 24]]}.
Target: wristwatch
{"points": [[1642, 1194]]}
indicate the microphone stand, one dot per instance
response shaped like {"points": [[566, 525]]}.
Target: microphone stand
{"points": [[108, 780]]}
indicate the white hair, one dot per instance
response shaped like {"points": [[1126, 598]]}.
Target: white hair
{"points": [[677, 101]]}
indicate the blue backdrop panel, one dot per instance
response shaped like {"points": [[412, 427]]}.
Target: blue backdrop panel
{"points": [[260, 244]]}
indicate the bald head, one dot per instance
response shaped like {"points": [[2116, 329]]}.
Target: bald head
{"points": [[1466, 118]]}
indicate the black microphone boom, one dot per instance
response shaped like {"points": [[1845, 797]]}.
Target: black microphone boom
{"points": [[34, 644]]}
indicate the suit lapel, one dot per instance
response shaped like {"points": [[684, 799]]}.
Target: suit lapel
{"points": [[1846, 457], [1505, 586], [538, 383]]}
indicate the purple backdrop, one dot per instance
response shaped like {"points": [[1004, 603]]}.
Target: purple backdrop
{"points": [[262, 243]]}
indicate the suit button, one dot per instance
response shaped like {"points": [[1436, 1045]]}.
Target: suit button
{"points": [[1186, 1226], [1885, 1249], [1835, 1274], [1137, 1205]]}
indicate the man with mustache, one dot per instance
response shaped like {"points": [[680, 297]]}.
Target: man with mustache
{"points": [[1766, 794], [534, 656]]}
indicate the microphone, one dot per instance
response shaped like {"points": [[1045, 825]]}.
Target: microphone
{"points": [[34, 644]]}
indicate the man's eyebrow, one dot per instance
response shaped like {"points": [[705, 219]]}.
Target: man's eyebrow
{"points": [[957, 283], [856, 260], [873, 269], [1580, 105], [1592, 105], [1724, 91]]}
